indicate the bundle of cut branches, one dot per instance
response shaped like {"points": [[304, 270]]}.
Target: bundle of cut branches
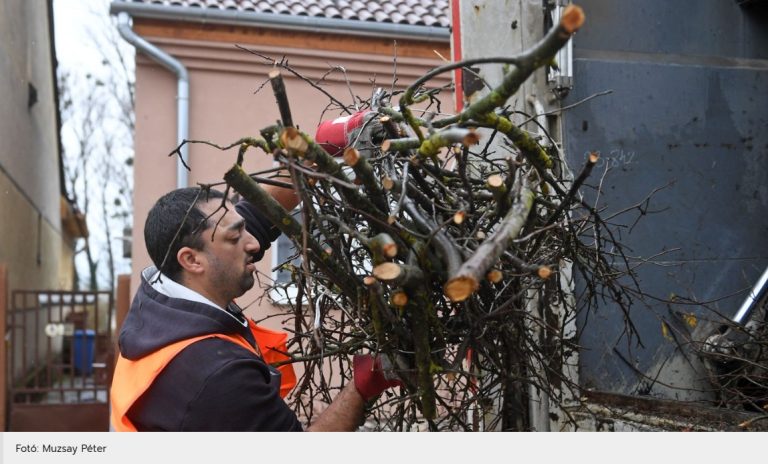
{"points": [[432, 250]]}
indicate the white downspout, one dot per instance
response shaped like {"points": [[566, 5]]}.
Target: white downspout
{"points": [[182, 86]]}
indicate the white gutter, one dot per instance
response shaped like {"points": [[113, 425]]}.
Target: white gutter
{"points": [[182, 86], [284, 22]]}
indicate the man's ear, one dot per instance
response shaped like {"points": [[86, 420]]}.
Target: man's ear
{"points": [[191, 260]]}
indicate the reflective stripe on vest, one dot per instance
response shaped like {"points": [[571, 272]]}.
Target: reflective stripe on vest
{"points": [[133, 378]]}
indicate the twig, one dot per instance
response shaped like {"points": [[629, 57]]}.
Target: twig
{"points": [[568, 107], [278, 88], [292, 71]]}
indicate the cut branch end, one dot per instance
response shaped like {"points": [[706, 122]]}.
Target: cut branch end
{"points": [[293, 141], [494, 276], [399, 298], [544, 272], [495, 181], [390, 250], [387, 272], [572, 19], [384, 245], [460, 288], [351, 156], [458, 217], [471, 139]]}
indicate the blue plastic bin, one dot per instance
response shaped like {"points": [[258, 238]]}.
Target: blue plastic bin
{"points": [[83, 347]]}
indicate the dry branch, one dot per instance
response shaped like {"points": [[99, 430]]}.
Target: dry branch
{"points": [[278, 88], [466, 279]]}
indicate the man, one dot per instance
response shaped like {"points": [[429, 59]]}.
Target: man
{"points": [[189, 359]]}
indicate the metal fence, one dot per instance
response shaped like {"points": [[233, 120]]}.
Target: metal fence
{"points": [[59, 359]]}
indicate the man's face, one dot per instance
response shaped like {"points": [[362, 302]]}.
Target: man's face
{"points": [[230, 254]]}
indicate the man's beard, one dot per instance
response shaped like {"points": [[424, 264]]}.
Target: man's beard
{"points": [[246, 282], [223, 277]]}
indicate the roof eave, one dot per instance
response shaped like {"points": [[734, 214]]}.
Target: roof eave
{"points": [[284, 22]]}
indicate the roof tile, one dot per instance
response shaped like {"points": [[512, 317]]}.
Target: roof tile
{"points": [[281, 7], [419, 10], [413, 12], [332, 12], [397, 18], [381, 17], [314, 10], [389, 7], [364, 15]]}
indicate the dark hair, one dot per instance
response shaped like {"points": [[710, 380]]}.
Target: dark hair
{"points": [[177, 211]]}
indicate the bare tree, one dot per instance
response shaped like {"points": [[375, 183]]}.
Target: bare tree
{"points": [[98, 125], [83, 119]]}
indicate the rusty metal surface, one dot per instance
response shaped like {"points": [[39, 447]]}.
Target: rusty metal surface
{"points": [[687, 113], [605, 411], [58, 358]]}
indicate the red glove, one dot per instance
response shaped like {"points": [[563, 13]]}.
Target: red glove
{"points": [[371, 379]]}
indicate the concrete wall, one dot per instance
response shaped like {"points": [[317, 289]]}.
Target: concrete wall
{"points": [[37, 252], [37, 255], [32, 245], [224, 108]]}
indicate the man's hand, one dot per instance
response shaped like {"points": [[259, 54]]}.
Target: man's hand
{"points": [[361, 130], [373, 375], [345, 413]]}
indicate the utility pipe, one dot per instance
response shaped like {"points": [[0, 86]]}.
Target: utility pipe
{"points": [[182, 88], [538, 399], [755, 295]]}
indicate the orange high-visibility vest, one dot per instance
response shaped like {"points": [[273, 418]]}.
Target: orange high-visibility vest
{"points": [[133, 378]]}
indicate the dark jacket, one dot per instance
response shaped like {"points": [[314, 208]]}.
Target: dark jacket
{"points": [[211, 385]]}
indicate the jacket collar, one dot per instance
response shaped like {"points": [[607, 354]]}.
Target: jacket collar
{"points": [[168, 287]]}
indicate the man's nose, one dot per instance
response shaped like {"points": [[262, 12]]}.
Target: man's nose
{"points": [[252, 245]]}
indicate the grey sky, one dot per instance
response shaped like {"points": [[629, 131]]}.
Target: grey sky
{"points": [[76, 21]]}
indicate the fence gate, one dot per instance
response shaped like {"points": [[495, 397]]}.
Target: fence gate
{"points": [[59, 360]]}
